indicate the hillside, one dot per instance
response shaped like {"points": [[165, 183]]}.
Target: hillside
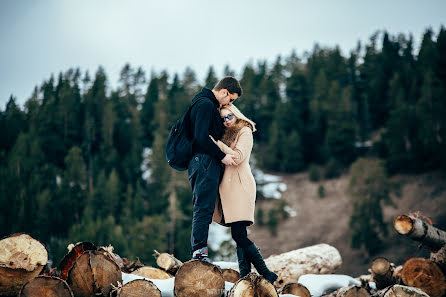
{"points": [[326, 220]]}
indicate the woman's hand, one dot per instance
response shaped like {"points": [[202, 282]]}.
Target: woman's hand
{"points": [[213, 139]]}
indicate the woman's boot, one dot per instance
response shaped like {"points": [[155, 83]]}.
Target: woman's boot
{"points": [[253, 255], [244, 265]]}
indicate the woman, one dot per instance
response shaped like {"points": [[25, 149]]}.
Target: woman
{"points": [[235, 206]]}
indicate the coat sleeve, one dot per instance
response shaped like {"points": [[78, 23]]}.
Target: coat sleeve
{"points": [[242, 148], [203, 118]]}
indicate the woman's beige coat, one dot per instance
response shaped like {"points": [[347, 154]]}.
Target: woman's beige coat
{"points": [[238, 187]]}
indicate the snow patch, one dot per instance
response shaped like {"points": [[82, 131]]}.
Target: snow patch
{"points": [[217, 235], [291, 212], [320, 284]]}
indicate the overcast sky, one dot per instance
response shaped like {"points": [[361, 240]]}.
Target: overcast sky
{"points": [[44, 37]]}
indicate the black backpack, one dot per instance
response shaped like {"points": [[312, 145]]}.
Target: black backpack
{"points": [[179, 143]]}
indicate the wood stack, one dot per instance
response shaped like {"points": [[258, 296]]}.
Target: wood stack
{"points": [[137, 288], [253, 285], [295, 289], [46, 286], [425, 274], [199, 279], [21, 258]]}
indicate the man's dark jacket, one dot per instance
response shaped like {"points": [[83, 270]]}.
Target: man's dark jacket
{"points": [[205, 121]]}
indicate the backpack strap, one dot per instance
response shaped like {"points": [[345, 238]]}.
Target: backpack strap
{"points": [[190, 130]]}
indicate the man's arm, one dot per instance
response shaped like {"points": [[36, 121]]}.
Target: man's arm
{"points": [[203, 118]]}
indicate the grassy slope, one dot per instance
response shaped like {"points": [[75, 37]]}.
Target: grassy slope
{"points": [[326, 220]]}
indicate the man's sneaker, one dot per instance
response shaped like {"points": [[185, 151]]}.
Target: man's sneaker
{"points": [[202, 255]]}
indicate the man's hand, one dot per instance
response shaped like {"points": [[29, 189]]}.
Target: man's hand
{"points": [[228, 160]]}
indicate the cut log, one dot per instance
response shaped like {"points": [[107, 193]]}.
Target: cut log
{"points": [[400, 291], [421, 231], [425, 275], [317, 259], [199, 279], [109, 250], [252, 285], [46, 286], [230, 275], [130, 266], [21, 259], [295, 289], [167, 262], [74, 252], [93, 274], [382, 273], [352, 291], [139, 288], [439, 257], [151, 272]]}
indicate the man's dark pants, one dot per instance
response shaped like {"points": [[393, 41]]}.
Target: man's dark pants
{"points": [[204, 176]]}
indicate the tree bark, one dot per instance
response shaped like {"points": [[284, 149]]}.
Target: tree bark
{"points": [[400, 291], [74, 252], [295, 289], [230, 275], [439, 257], [46, 286], [139, 288], [421, 231], [252, 285], [93, 274], [382, 273], [21, 259], [151, 272], [317, 259], [167, 262], [352, 291], [424, 274], [199, 279]]}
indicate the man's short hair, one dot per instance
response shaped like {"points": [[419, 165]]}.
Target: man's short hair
{"points": [[231, 84]]}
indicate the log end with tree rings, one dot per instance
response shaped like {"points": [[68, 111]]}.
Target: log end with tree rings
{"points": [[425, 275], [199, 279], [167, 262], [75, 251], [352, 291], [380, 266], [295, 289], [401, 291], [382, 272], [151, 272], [138, 288], [21, 259], [46, 286], [93, 274], [230, 275], [252, 285], [403, 224]]}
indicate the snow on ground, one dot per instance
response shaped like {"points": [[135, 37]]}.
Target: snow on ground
{"points": [[217, 235], [317, 284], [269, 185], [320, 284]]}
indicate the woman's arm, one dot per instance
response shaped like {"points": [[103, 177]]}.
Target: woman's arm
{"points": [[242, 148]]}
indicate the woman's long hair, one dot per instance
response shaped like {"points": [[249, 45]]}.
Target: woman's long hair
{"points": [[239, 115]]}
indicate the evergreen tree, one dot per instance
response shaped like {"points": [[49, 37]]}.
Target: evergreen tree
{"points": [[369, 187]]}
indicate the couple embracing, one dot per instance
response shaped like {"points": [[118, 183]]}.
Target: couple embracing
{"points": [[223, 186]]}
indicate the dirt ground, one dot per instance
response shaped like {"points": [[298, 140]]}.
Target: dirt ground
{"points": [[326, 220]]}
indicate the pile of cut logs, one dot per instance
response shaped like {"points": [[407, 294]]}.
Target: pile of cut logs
{"points": [[88, 271]]}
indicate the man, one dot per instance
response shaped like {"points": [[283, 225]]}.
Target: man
{"points": [[205, 166]]}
